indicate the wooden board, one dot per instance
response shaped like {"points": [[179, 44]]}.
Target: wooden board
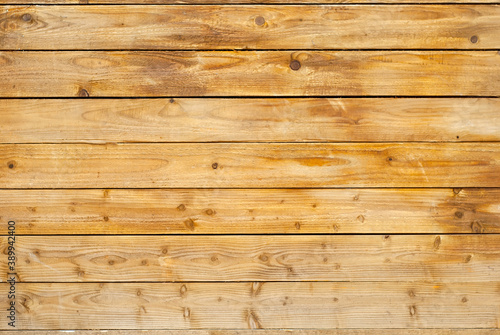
{"points": [[255, 211], [453, 331], [251, 27], [249, 73], [249, 165], [256, 305], [446, 258], [254, 120], [233, 2]]}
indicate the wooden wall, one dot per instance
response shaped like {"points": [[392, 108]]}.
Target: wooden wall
{"points": [[203, 167]]}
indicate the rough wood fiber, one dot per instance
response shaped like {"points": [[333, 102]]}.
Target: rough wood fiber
{"points": [[249, 73], [224, 211], [257, 305], [249, 165], [333, 331], [250, 27], [240, 120], [443, 258], [233, 2]]}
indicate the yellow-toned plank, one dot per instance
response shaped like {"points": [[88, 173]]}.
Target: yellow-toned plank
{"points": [[288, 332], [233, 2], [250, 211], [251, 27], [256, 305], [212, 120], [249, 165], [447, 258], [249, 73]]}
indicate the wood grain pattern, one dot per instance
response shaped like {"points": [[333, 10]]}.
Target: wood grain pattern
{"points": [[249, 73], [256, 120], [233, 2], [256, 305], [230, 211], [249, 165], [382, 331], [443, 258], [250, 27]]}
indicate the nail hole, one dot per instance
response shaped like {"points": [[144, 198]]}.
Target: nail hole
{"points": [[295, 65]]}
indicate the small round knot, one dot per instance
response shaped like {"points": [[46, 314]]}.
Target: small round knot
{"points": [[215, 166], [26, 17], [260, 21], [474, 39], [295, 65]]}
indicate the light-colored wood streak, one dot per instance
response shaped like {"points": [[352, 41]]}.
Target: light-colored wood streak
{"points": [[251, 211], [444, 258], [378, 331], [250, 27], [253, 165], [255, 120], [249, 73], [256, 305]]}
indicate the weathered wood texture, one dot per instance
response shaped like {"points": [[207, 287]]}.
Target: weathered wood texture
{"points": [[233, 2], [249, 73], [250, 27], [383, 331], [249, 165], [240, 120], [443, 258], [256, 305], [226, 211]]}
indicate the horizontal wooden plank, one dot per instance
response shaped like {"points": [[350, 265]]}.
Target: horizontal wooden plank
{"points": [[239, 120], [446, 258], [249, 165], [255, 305], [236, 2], [233, 211], [121, 27], [249, 73], [373, 331]]}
